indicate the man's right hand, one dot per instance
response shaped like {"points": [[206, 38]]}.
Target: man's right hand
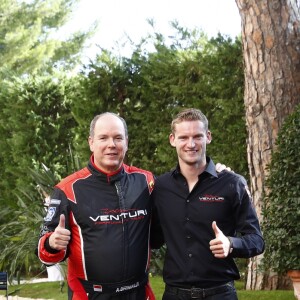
{"points": [[61, 236]]}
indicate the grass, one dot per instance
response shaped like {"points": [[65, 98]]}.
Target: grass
{"points": [[52, 290]]}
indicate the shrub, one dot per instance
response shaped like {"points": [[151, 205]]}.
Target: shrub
{"points": [[281, 211]]}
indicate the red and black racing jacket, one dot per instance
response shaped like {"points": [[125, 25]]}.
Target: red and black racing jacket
{"points": [[109, 219]]}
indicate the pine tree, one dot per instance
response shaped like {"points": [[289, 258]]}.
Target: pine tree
{"points": [[27, 36]]}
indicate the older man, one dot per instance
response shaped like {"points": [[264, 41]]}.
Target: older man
{"points": [[99, 218]]}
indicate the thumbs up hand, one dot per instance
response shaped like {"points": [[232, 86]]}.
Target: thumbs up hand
{"points": [[61, 236], [220, 246]]}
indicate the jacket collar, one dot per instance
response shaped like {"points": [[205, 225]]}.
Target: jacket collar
{"points": [[102, 175]]}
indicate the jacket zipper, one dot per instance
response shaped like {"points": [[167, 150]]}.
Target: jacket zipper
{"points": [[124, 227]]}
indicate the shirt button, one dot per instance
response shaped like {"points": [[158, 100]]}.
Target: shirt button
{"points": [[190, 254], [187, 218], [188, 236], [188, 200]]}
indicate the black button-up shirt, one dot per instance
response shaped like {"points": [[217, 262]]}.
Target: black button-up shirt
{"points": [[186, 220]]}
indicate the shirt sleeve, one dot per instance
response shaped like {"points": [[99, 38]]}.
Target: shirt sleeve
{"points": [[58, 205], [156, 234], [248, 240]]}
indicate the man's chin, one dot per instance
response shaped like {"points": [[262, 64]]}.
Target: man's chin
{"points": [[193, 161], [112, 167]]}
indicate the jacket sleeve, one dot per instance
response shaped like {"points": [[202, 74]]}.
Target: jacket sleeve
{"points": [[248, 240], [58, 205]]}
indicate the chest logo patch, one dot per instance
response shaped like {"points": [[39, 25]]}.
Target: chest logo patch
{"points": [[211, 198], [119, 216], [50, 214]]}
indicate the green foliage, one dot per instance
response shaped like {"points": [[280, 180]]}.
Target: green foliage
{"points": [[281, 224], [19, 234], [36, 126], [27, 36], [147, 89]]}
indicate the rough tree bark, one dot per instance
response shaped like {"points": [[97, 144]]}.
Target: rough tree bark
{"points": [[271, 49]]}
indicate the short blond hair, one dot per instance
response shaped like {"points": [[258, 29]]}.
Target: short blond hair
{"points": [[189, 114]]}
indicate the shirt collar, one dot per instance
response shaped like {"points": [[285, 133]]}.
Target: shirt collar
{"points": [[210, 168]]}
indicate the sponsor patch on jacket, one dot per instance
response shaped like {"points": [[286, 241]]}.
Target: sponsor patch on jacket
{"points": [[50, 213], [55, 201], [119, 216], [151, 185], [97, 287], [211, 198], [127, 287]]}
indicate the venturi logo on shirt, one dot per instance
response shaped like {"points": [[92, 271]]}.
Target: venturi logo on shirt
{"points": [[118, 216], [211, 198]]}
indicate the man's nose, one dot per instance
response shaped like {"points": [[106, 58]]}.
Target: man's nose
{"points": [[191, 143], [111, 142]]}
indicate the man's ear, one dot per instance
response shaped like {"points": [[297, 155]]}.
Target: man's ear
{"points": [[90, 141], [171, 139], [208, 137]]}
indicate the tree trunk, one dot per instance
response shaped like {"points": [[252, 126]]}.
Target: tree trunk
{"points": [[271, 48]]}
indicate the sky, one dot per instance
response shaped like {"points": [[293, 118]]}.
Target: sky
{"points": [[116, 18]]}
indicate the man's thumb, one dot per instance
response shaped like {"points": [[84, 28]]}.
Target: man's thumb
{"points": [[215, 228], [62, 221]]}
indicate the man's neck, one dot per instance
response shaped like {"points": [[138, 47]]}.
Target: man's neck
{"points": [[191, 172]]}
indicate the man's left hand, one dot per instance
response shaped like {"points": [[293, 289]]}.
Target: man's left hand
{"points": [[221, 167], [220, 246]]}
